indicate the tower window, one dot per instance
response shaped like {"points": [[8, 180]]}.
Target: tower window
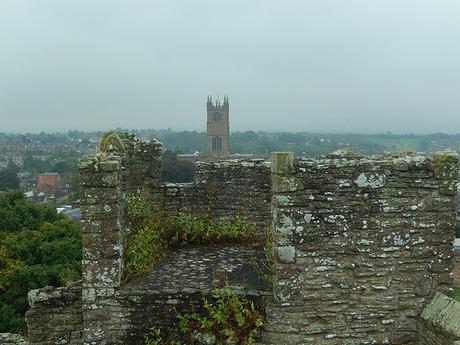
{"points": [[216, 117], [216, 144]]}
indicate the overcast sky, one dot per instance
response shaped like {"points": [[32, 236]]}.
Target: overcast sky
{"points": [[323, 65]]}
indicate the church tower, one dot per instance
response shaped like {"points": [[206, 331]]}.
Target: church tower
{"points": [[218, 128]]}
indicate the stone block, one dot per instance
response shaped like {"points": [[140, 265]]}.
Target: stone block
{"points": [[282, 163], [444, 313]]}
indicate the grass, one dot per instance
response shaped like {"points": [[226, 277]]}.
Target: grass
{"points": [[457, 294], [152, 233]]}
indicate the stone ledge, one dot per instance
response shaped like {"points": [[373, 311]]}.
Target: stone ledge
{"points": [[57, 296], [444, 313], [12, 339]]}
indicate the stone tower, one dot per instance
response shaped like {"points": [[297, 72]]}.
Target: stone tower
{"points": [[218, 128]]}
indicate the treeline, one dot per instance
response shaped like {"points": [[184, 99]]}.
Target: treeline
{"points": [[260, 142], [38, 247], [305, 144]]}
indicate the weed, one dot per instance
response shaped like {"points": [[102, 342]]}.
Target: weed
{"points": [[154, 337], [457, 294], [153, 232], [228, 319], [264, 265]]}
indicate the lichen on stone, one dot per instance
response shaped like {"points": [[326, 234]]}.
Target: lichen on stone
{"points": [[111, 141]]}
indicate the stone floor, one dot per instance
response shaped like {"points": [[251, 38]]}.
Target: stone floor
{"points": [[199, 269]]}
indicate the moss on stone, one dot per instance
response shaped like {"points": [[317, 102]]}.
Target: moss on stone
{"points": [[282, 163], [111, 141], [444, 165]]}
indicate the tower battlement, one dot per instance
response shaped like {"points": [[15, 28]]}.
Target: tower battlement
{"points": [[216, 104]]}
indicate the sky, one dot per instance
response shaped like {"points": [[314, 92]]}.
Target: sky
{"points": [[362, 66]]}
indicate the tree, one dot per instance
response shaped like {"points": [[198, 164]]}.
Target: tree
{"points": [[37, 248], [174, 170], [8, 179]]}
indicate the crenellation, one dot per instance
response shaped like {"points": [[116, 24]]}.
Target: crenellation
{"points": [[226, 189], [362, 248]]}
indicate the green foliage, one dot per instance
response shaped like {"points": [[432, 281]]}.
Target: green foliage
{"points": [[17, 214], [8, 179], [37, 248], [154, 337], [457, 294], [147, 245], [153, 232], [228, 319], [174, 170], [185, 141], [264, 264], [307, 144], [457, 229]]}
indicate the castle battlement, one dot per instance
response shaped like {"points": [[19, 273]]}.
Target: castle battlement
{"points": [[362, 248]]}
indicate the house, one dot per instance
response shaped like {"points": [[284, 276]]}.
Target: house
{"points": [[48, 182]]}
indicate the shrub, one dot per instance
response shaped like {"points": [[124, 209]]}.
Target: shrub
{"points": [[229, 319], [38, 247], [153, 232], [457, 230]]}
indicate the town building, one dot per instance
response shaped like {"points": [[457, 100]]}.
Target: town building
{"points": [[48, 182]]}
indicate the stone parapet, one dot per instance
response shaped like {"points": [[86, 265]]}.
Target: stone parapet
{"points": [[361, 244], [235, 189], [224, 189]]}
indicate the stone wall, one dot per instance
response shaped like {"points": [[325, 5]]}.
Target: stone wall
{"points": [[361, 244], [440, 322], [55, 316], [140, 164], [175, 196], [226, 189], [236, 188]]}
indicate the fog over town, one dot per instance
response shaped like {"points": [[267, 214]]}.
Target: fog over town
{"points": [[327, 66]]}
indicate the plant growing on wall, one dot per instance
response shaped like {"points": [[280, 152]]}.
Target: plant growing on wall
{"points": [[153, 232], [264, 263], [228, 319]]}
